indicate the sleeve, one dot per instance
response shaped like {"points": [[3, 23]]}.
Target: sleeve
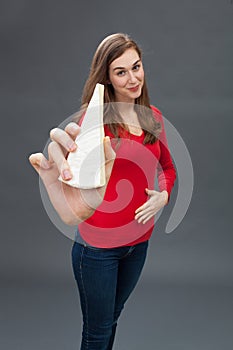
{"points": [[166, 172]]}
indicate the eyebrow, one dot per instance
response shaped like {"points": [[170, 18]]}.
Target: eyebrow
{"points": [[124, 67]]}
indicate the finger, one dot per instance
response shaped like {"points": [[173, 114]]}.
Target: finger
{"points": [[56, 155], [143, 212], [73, 130], [143, 207], [142, 218], [146, 217], [63, 139], [38, 161], [150, 192]]}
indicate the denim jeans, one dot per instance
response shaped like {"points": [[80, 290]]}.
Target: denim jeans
{"points": [[105, 279]]}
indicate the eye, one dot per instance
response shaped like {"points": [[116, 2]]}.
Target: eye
{"points": [[136, 67], [121, 73]]}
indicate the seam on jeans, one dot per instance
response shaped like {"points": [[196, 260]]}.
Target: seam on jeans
{"points": [[131, 249], [84, 293]]}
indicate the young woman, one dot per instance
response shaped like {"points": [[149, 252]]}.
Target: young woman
{"points": [[113, 231]]}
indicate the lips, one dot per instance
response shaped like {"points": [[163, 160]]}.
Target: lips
{"points": [[134, 89]]}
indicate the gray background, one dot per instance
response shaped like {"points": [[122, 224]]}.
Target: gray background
{"points": [[184, 298]]}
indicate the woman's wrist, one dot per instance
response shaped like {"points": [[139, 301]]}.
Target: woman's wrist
{"points": [[165, 196]]}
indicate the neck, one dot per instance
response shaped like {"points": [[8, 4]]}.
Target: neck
{"points": [[126, 109], [130, 118]]}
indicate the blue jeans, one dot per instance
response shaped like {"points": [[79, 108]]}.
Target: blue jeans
{"points": [[105, 279]]}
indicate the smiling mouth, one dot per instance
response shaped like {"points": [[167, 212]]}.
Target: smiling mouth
{"points": [[135, 88]]}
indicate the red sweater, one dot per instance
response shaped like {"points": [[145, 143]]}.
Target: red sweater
{"points": [[135, 169]]}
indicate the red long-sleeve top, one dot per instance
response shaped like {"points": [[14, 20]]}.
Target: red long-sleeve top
{"points": [[136, 166]]}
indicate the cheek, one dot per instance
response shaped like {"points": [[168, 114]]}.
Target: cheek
{"points": [[118, 82], [141, 74]]}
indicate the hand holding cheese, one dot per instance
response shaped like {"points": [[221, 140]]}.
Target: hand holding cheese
{"points": [[72, 204]]}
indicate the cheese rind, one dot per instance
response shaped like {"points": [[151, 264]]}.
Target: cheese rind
{"points": [[87, 162]]}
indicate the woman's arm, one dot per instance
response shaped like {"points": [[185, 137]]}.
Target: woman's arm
{"points": [[166, 172], [166, 177]]}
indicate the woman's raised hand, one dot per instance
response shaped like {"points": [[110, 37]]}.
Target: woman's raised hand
{"points": [[73, 205]]}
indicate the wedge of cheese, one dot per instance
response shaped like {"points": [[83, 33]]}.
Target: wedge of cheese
{"points": [[87, 163]]}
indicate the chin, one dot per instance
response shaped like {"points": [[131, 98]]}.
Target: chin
{"points": [[138, 93]]}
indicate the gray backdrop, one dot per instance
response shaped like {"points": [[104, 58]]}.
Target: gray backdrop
{"points": [[184, 298]]}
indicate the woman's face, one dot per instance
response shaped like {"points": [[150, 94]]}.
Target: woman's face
{"points": [[126, 75]]}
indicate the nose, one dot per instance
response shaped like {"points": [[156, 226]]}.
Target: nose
{"points": [[132, 78]]}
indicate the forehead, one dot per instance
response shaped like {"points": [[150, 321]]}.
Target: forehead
{"points": [[127, 59]]}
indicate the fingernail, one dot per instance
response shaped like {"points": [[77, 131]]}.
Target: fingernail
{"points": [[75, 127], [66, 174], [71, 146]]}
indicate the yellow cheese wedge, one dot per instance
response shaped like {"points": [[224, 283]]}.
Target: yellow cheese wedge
{"points": [[87, 163]]}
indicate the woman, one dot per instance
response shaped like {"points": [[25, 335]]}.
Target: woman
{"points": [[113, 232]]}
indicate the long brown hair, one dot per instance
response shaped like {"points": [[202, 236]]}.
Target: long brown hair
{"points": [[112, 47]]}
